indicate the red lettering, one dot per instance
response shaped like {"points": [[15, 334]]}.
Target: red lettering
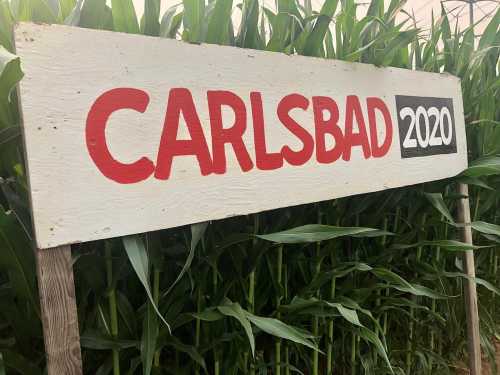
{"points": [[353, 109], [181, 101], [265, 161], [329, 126], [95, 134], [373, 104], [232, 135], [286, 104]]}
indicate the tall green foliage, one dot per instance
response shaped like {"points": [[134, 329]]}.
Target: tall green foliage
{"points": [[370, 284]]}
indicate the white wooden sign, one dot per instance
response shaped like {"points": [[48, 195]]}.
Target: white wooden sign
{"points": [[126, 134]]}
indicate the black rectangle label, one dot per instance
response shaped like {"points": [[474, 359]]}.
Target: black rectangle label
{"points": [[426, 126]]}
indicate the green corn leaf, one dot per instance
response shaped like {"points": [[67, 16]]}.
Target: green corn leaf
{"points": [[138, 256], [106, 367], [477, 280], [356, 54], [21, 10], [279, 329], [235, 311], [248, 34], [9, 134], [390, 303], [490, 34], [321, 308], [97, 341], [167, 22], [483, 167], [420, 290], [280, 30], [10, 75], [349, 267], [308, 8], [351, 304], [330, 48], [446, 37], [170, 23], [486, 228], [93, 14], [271, 326], [6, 23], [373, 233], [2, 365], [401, 284], [348, 314], [315, 38], [340, 271], [197, 231], [492, 238], [376, 8], [16, 256], [436, 199], [450, 245], [73, 18], [465, 52], [218, 33], [372, 338], [127, 313], [299, 304], [46, 11], [134, 365], [151, 18], [282, 26], [474, 181], [209, 315], [150, 332], [66, 7], [190, 350], [55, 8], [403, 39], [193, 19], [18, 205], [19, 364], [124, 16], [394, 8], [103, 318], [315, 233]]}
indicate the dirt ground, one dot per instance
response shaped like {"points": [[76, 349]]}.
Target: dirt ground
{"points": [[461, 370]]}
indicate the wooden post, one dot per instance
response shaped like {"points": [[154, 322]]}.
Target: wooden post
{"points": [[59, 313], [473, 338]]}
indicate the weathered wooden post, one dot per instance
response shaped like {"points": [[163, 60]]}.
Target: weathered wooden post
{"points": [[471, 303], [58, 307]]}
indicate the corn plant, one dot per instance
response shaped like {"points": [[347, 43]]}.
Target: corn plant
{"points": [[370, 284]]}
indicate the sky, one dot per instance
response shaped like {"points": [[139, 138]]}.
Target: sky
{"points": [[421, 8]]}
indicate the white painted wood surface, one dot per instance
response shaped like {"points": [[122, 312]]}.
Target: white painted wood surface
{"points": [[67, 69]]}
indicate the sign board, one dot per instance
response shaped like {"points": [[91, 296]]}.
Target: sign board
{"points": [[127, 134]]}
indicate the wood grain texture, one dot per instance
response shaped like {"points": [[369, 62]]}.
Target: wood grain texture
{"points": [[59, 312], [471, 308], [74, 202]]}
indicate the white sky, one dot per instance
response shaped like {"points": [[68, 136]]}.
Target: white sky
{"points": [[421, 8]]}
